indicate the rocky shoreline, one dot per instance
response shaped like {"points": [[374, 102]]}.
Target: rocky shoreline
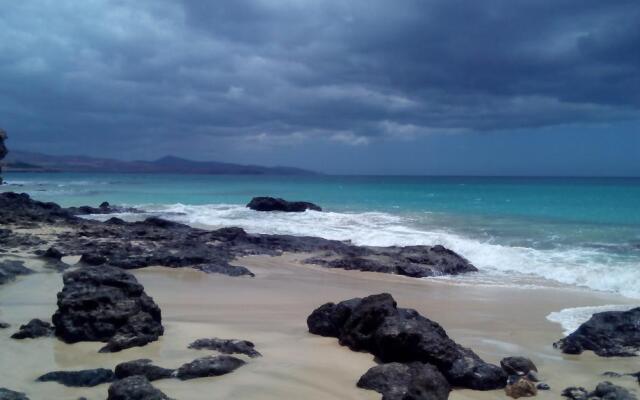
{"points": [[101, 301]]}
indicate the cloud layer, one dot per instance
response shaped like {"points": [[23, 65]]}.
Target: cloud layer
{"points": [[154, 74]]}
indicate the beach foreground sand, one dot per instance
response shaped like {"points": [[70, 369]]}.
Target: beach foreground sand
{"points": [[271, 310]]}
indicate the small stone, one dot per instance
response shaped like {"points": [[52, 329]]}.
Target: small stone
{"points": [[227, 346], [543, 386], [34, 329], [208, 366], [520, 387]]}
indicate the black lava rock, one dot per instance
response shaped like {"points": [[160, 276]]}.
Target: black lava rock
{"points": [[277, 204], [227, 346], [34, 329], [84, 378], [10, 269], [414, 381], [106, 304], [517, 366], [608, 334], [142, 367], [6, 394], [375, 324], [135, 388], [208, 366]]}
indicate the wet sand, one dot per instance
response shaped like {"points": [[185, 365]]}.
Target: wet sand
{"points": [[271, 310]]}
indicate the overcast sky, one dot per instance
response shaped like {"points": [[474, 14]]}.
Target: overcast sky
{"points": [[397, 86]]}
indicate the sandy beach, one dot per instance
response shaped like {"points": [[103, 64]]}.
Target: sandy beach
{"points": [[271, 310]]}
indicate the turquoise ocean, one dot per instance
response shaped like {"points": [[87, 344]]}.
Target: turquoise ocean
{"points": [[581, 232]]}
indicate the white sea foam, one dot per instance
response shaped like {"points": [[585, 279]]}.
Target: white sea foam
{"points": [[583, 267], [571, 318]]}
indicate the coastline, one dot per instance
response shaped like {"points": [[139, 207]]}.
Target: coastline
{"points": [[271, 310]]}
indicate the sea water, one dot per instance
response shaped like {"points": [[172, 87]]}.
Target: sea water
{"points": [[570, 231]]}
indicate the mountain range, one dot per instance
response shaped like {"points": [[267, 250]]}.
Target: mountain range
{"points": [[23, 161]]}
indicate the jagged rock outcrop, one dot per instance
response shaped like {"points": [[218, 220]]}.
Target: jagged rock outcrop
{"points": [[3, 150], [135, 388], [106, 304], [414, 381], [608, 334], [277, 204], [156, 241], [227, 346], [83, 378], [375, 324]]}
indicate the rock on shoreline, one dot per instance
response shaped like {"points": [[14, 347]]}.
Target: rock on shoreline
{"points": [[155, 241], [277, 204], [106, 304], [608, 334], [375, 324]]}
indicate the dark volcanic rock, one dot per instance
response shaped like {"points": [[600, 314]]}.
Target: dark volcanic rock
{"points": [[53, 254], [104, 208], [414, 381], [142, 367], [106, 304], [34, 329], [208, 366], [604, 391], [135, 388], [3, 150], [19, 208], [392, 334], [156, 241], [6, 394], [10, 269], [227, 346], [225, 269], [84, 378], [276, 204], [4, 325], [517, 365], [608, 334]]}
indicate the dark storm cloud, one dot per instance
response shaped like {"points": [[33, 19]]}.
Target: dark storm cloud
{"points": [[155, 73]]}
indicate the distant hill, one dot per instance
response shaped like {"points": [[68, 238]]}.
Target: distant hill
{"points": [[23, 161]]}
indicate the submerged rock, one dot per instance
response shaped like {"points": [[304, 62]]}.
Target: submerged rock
{"points": [[135, 388], [277, 204], [142, 367], [375, 324], [413, 381], [227, 346], [83, 378], [106, 304], [208, 366], [34, 329], [9, 269], [6, 394], [608, 334], [4, 325]]}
